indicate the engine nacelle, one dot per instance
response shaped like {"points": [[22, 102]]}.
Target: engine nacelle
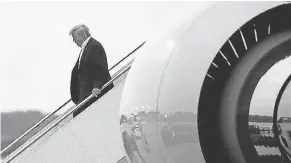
{"points": [[161, 95]]}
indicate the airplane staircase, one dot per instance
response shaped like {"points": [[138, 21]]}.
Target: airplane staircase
{"points": [[93, 136]]}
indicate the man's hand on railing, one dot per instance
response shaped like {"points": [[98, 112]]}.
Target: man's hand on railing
{"points": [[96, 91]]}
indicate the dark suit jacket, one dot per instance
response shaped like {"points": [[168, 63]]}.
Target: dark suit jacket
{"points": [[93, 72]]}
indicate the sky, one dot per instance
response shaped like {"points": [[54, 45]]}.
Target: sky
{"points": [[38, 54], [265, 94]]}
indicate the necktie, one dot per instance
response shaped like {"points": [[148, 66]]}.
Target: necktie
{"points": [[80, 57]]}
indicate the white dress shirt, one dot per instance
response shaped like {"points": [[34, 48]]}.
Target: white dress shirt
{"points": [[82, 50]]}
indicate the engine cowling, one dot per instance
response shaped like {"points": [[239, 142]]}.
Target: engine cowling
{"points": [[161, 96]]}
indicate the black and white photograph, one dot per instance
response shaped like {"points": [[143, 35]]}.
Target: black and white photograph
{"points": [[145, 81]]}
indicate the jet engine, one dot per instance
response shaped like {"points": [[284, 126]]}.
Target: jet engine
{"points": [[187, 95]]}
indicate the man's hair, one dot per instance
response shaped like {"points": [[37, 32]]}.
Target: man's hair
{"points": [[80, 26]]}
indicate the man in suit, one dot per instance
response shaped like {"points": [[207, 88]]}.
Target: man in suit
{"points": [[90, 72]]}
